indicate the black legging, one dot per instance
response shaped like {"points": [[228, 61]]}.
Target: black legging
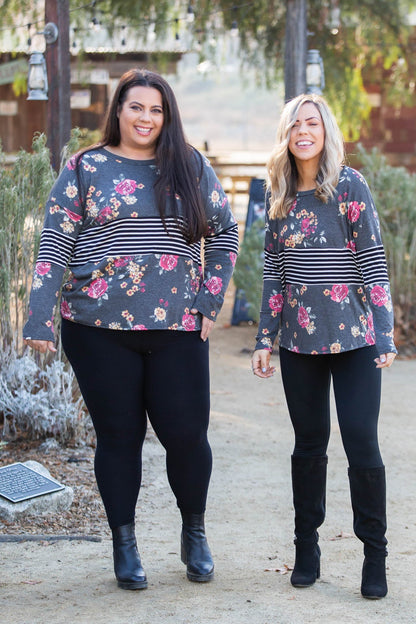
{"points": [[122, 376], [357, 388]]}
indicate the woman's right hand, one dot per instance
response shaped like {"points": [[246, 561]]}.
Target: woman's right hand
{"points": [[40, 345], [260, 363]]}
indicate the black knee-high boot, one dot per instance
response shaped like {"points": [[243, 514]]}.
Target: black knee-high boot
{"points": [[309, 488], [127, 565], [368, 498], [195, 552]]}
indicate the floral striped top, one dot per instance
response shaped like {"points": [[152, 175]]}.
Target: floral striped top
{"points": [[325, 282], [125, 270]]}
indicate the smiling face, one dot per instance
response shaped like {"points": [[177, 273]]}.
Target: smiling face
{"points": [[307, 136], [141, 122]]}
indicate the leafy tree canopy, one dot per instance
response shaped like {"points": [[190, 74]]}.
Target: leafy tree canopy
{"points": [[359, 40]]}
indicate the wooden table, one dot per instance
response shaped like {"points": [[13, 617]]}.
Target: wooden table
{"points": [[235, 171]]}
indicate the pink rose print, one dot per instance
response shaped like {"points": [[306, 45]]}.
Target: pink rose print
{"points": [[71, 162], [369, 338], [214, 285], [42, 268], [307, 228], [351, 245], [65, 310], [104, 214], [139, 327], [233, 258], [168, 263], [120, 262], [276, 303], [379, 296], [339, 292], [188, 322], [72, 215], [370, 322], [126, 187], [303, 317], [97, 288], [353, 211]]}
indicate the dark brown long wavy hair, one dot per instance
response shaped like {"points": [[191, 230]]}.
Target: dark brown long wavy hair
{"points": [[180, 165]]}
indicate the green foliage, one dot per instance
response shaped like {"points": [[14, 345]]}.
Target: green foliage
{"points": [[10, 8], [249, 268], [37, 395], [368, 39], [19, 84], [350, 106], [394, 191], [24, 188]]}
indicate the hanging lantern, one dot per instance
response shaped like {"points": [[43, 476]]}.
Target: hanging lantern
{"points": [[315, 78], [37, 80]]}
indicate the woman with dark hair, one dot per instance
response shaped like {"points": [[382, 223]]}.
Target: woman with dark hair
{"points": [[326, 294], [127, 217]]}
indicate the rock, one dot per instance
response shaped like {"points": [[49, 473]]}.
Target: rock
{"points": [[46, 504]]}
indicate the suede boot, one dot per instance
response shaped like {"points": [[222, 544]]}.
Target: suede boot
{"points": [[309, 487], [127, 565], [368, 498], [195, 552]]}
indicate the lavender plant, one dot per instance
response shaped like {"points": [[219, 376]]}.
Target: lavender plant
{"points": [[38, 395]]}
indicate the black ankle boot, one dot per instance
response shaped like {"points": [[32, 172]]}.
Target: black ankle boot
{"points": [[195, 552], [368, 498], [309, 485], [373, 581], [307, 566], [127, 565]]}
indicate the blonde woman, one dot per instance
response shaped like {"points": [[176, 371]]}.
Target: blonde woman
{"points": [[326, 293]]}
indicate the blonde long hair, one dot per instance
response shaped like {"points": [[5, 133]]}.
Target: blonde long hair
{"points": [[281, 166]]}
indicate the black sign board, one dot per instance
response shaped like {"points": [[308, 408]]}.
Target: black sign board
{"points": [[19, 482]]}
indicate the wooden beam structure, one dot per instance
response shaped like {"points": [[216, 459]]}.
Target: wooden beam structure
{"points": [[59, 79]]}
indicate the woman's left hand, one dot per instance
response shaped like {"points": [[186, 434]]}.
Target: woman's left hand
{"points": [[207, 325], [385, 360]]}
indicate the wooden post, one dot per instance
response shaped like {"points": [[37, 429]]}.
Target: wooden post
{"points": [[58, 117], [296, 35]]}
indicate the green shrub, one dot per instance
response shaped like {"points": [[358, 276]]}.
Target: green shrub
{"points": [[248, 271], [38, 394], [394, 191], [24, 188]]}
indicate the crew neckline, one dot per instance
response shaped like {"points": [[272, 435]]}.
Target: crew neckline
{"points": [[137, 161], [309, 192]]}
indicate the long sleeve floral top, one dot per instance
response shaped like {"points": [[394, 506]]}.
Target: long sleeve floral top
{"points": [[325, 281], [125, 270]]}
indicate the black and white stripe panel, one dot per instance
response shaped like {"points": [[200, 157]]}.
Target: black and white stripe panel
{"points": [[55, 247], [272, 266], [327, 266], [227, 240], [126, 237], [373, 265]]}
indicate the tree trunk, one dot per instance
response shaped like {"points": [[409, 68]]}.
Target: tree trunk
{"points": [[295, 48], [59, 79]]}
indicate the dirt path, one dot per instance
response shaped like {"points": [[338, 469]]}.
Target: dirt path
{"points": [[249, 524]]}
